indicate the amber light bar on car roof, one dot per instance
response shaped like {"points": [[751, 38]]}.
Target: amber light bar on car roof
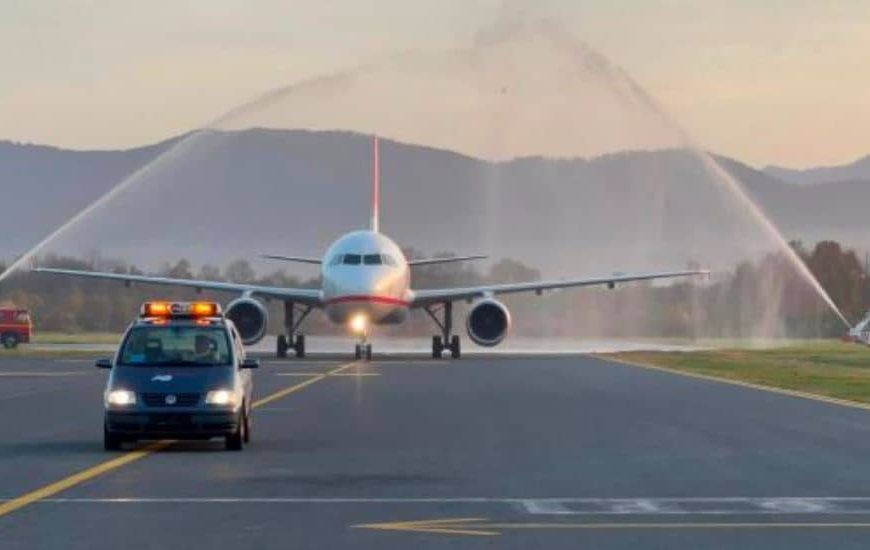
{"points": [[180, 309]]}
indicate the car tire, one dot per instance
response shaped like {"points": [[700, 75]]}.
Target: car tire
{"points": [[111, 442], [247, 438], [236, 440], [10, 340]]}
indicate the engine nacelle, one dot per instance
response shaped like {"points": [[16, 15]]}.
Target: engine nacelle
{"points": [[250, 317], [488, 323]]}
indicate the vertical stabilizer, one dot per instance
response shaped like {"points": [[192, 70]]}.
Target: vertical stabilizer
{"points": [[376, 185]]}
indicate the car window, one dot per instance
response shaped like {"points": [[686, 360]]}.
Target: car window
{"points": [[187, 345]]}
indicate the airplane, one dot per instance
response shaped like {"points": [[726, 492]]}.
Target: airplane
{"points": [[366, 280]]}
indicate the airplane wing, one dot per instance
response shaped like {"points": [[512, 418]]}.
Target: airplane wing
{"points": [[299, 259], [449, 259], [307, 296], [423, 298]]}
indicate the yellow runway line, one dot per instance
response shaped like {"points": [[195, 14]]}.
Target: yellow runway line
{"points": [[740, 383], [128, 458]]}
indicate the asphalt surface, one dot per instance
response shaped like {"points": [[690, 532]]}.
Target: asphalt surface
{"points": [[532, 452]]}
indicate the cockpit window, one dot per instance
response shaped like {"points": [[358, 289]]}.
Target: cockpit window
{"points": [[372, 259], [352, 259], [336, 259]]}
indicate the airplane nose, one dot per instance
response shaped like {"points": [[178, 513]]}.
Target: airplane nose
{"points": [[371, 283], [360, 282]]}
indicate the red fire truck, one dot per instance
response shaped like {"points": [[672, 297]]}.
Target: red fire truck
{"points": [[15, 327]]}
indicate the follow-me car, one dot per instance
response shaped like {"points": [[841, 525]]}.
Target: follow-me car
{"points": [[181, 373]]}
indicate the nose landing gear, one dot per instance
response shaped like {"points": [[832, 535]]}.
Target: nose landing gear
{"points": [[363, 351]]}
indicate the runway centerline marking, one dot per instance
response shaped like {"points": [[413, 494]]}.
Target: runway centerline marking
{"points": [[133, 456]]}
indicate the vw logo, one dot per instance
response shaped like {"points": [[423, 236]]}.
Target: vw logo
{"points": [[171, 399]]}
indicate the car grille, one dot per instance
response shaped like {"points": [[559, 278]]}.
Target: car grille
{"points": [[181, 399]]}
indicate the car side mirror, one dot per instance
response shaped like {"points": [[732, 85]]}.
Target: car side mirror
{"points": [[250, 364], [103, 363]]}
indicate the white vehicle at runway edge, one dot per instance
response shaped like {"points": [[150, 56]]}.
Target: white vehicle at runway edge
{"points": [[367, 281]]}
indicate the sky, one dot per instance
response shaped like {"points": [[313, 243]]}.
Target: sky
{"points": [[768, 82]]}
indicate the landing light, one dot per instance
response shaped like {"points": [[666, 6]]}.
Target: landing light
{"points": [[358, 323]]}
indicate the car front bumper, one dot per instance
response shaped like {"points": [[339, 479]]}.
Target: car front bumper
{"points": [[176, 425]]}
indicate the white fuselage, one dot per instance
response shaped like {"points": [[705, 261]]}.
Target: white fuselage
{"points": [[366, 273]]}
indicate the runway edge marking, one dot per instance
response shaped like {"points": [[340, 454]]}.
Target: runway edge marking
{"points": [[739, 383], [133, 456]]}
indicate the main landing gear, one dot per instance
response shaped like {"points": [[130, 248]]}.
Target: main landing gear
{"points": [[444, 341], [290, 340]]}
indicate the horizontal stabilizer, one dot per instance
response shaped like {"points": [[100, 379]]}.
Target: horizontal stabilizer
{"points": [[433, 261], [299, 259]]}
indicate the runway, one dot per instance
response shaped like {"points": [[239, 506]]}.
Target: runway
{"points": [[507, 452]]}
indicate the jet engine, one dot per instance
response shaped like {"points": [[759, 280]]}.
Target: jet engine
{"points": [[250, 318], [488, 323]]}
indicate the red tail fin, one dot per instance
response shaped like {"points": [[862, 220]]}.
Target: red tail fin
{"points": [[376, 185]]}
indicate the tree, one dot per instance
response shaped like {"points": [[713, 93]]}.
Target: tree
{"points": [[181, 270], [239, 271]]}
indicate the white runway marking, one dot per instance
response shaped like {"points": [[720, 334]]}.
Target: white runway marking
{"points": [[722, 506], [336, 375]]}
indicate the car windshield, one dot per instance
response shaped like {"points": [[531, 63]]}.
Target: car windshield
{"points": [[182, 345]]}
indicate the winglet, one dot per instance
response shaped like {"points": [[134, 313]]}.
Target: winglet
{"points": [[376, 185]]}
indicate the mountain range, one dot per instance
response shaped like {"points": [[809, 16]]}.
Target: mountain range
{"points": [[215, 196]]}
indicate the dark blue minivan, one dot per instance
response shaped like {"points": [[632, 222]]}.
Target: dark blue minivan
{"points": [[180, 373]]}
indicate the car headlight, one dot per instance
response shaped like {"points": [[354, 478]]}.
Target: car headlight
{"points": [[222, 397], [121, 398]]}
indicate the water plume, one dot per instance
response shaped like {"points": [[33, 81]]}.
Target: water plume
{"points": [[526, 144]]}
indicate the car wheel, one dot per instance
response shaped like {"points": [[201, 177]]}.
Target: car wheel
{"points": [[10, 340], [247, 437], [235, 441], [111, 442]]}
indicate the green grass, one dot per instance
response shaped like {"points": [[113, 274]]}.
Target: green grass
{"points": [[49, 338], [833, 369], [76, 338]]}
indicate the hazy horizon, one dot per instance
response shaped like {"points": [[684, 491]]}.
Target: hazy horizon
{"points": [[752, 81]]}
